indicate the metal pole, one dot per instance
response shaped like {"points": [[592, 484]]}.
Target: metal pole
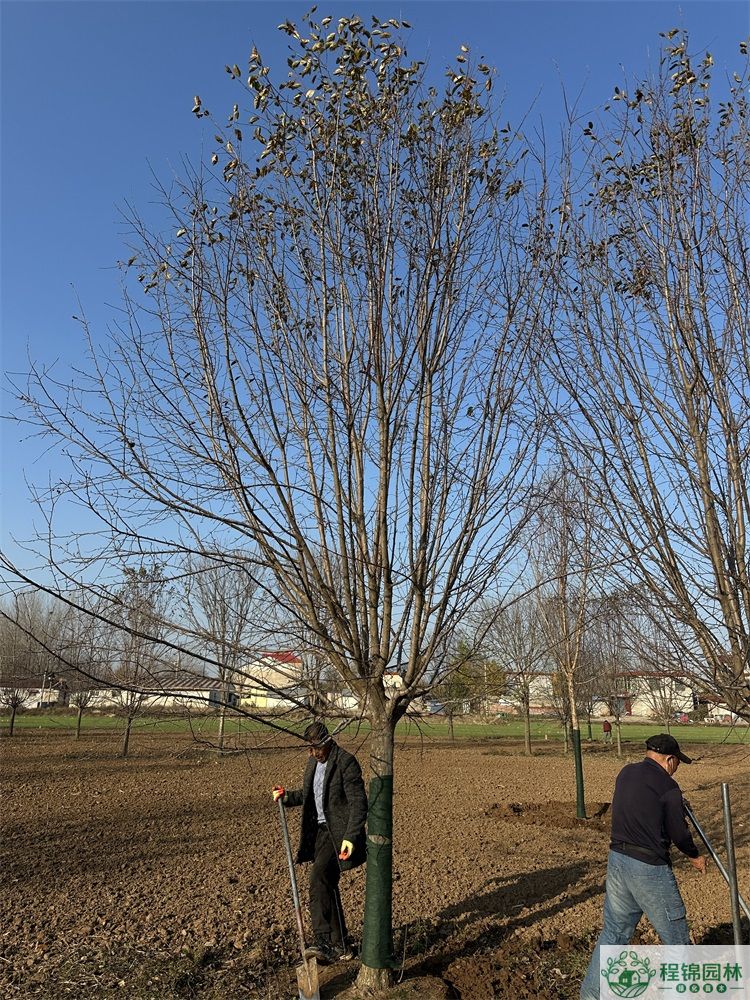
{"points": [[734, 891], [716, 859], [292, 877]]}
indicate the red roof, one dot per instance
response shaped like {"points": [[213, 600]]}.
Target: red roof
{"points": [[281, 657]]}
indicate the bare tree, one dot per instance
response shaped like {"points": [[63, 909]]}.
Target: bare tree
{"points": [[459, 688], [15, 693], [607, 645], [561, 704], [652, 348], [518, 642], [137, 660], [223, 607], [31, 624], [81, 645], [588, 686], [563, 560], [332, 367], [81, 697]]}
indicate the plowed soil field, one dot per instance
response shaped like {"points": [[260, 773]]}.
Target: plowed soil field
{"points": [[163, 875]]}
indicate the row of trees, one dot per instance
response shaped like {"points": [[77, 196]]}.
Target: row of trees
{"points": [[143, 636], [46, 644], [381, 316]]}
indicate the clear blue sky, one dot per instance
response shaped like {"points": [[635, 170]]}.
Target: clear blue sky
{"points": [[97, 95]]}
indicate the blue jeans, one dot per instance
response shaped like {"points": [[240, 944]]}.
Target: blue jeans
{"points": [[635, 888]]}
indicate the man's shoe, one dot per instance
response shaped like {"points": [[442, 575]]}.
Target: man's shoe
{"points": [[343, 952], [322, 951]]}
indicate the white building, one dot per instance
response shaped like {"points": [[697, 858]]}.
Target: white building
{"points": [[275, 681]]}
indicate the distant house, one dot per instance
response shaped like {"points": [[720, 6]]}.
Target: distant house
{"points": [[393, 683], [34, 692], [721, 714], [654, 695], [274, 680], [642, 694], [541, 694], [340, 701], [168, 691]]}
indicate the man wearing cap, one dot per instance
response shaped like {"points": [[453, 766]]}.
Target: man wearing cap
{"points": [[647, 818], [332, 836]]}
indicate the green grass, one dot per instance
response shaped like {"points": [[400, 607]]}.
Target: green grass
{"points": [[92, 723], [632, 732], [430, 728]]}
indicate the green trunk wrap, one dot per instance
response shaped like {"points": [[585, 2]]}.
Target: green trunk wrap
{"points": [[580, 804], [377, 946]]}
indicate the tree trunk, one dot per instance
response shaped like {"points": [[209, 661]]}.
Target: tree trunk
{"points": [[78, 722], [376, 972], [126, 737], [450, 727], [577, 756], [527, 731], [591, 735], [220, 735], [565, 737], [619, 737], [12, 720]]}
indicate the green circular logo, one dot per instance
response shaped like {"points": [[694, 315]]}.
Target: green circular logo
{"points": [[628, 975]]}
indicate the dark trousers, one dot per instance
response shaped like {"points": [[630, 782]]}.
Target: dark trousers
{"points": [[326, 911]]}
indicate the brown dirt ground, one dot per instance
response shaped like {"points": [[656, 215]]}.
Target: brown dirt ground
{"points": [[163, 876]]}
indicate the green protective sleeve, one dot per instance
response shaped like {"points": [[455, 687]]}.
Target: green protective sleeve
{"points": [[377, 944], [578, 757]]}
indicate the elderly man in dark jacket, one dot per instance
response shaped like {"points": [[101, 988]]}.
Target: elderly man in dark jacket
{"points": [[332, 836], [648, 816]]}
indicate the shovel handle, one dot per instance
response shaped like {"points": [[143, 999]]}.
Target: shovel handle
{"points": [[292, 877]]}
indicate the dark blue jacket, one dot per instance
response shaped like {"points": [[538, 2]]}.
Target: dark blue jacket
{"points": [[648, 815]]}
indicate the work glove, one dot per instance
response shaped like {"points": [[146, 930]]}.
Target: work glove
{"points": [[347, 849], [278, 792]]}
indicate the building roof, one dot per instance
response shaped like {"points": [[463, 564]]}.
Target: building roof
{"points": [[281, 656]]}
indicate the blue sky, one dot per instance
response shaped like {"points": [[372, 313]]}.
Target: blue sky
{"points": [[97, 98]]}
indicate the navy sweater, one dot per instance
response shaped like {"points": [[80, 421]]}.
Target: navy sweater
{"points": [[647, 813]]}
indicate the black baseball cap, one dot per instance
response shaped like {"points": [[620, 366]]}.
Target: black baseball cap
{"points": [[668, 745]]}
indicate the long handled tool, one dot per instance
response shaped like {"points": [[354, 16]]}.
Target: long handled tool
{"points": [[717, 860], [307, 973]]}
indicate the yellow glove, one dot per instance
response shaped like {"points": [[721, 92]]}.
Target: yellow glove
{"points": [[278, 792], [347, 849]]}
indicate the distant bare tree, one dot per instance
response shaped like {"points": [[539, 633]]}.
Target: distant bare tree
{"points": [[457, 681], [518, 642], [561, 704], [15, 694], [136, 656], [606, 643], [82, 641], [81, 697], [563, 557], [223, 603], [588, 685], [657, 676], [652, 348]]}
